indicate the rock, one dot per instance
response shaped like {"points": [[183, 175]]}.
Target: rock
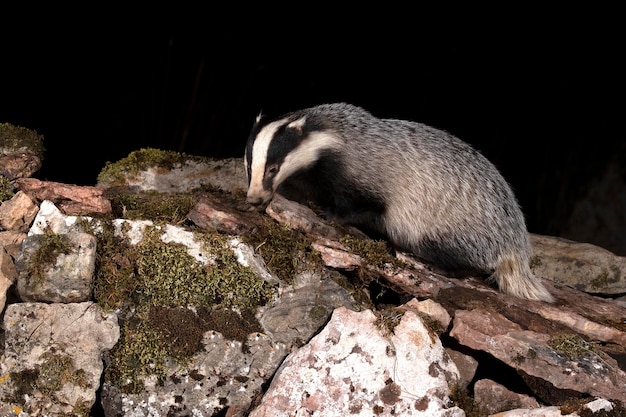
{"points": [[225, 374], [493, 398], [583, 370], [599, 404], [19, 165], [351, 368], [535, 412], [8, 275], [71, 199], [52, 364], [582, 266], [50, 273], [21, 151], [18, 213], [209, 213], [568, 349], [431, 309], [166, 171], [50, 218], [11, 240], [466, 365], [303, 308]]}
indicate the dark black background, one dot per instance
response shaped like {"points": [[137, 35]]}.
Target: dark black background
{"points": [[540, 93]]}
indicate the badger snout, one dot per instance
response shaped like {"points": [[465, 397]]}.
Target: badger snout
{"points": [[255, 201], [258, 202]]}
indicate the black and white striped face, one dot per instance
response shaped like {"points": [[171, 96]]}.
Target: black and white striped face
{"points": [[279, 149]]}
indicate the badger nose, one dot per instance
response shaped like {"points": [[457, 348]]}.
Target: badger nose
{"points": [[255, 201]]}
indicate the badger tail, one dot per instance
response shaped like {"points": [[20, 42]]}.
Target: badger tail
{"points": [[514, 277]]}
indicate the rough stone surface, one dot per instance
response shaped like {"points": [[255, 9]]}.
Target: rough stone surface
{"points": [[582, 266], [352, 368], [11, 240], [493, 397], [71, 199], [223, 174], [588, 372], [308, 303], [52, 363], [68, 280], [18, 212], [50, 218], [211, 214], [466, 365], [19, 165], [226, 374], [8, 274]]}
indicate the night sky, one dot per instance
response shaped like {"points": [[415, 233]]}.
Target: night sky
{"points": [[540, 95]]}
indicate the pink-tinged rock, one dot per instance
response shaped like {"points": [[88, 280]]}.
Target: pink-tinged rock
{"points": [[352, 369], [594, 373], [210, 214], [553, 411], [11, 240], [19, 164], [493, 397], [18, 212], [71, 199]]}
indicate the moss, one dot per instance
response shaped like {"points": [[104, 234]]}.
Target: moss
{"points": [[17, 138], [140, 352], [387, 319], [284, 250], [153, 283], [465, 402], [141, 160], [318, 313], [375, 252], [577, 406], [57, 370], [53, 373], [160, 208], [571, 345], [50, 247], [6, 189], [169, 276], [115, 281]]}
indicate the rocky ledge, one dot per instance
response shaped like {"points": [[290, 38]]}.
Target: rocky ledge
{"points": [[157, 293]]}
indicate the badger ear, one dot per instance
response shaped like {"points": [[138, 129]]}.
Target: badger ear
{"points": [[297, 124], [259, 117]]}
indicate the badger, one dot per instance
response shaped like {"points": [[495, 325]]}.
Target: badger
{"points": [[424, 190]]}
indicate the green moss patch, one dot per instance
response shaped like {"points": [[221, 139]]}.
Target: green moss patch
{"points": [[55, 370], [141, 160], [160, 208], [6, 189], [51, 246], [284, 250], [17, 138], [167, 300]]}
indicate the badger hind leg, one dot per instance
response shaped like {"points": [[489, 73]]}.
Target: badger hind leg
{"points": [[513, 276]]}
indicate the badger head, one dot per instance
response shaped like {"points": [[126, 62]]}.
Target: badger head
{"points": [[280, 148]]}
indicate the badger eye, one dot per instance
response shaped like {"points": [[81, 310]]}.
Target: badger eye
{"points": [[272, 169]]}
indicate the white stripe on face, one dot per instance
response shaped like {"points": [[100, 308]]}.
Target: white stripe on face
{"points": [[305, 155], [259, 159]]}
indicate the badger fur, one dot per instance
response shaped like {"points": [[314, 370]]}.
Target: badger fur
{"points": [[425, 190]]}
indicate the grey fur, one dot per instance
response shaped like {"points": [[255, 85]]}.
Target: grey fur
{"points": [[425, 190]]}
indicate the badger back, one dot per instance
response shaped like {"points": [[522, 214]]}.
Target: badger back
{"points": [[280, 148]]}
